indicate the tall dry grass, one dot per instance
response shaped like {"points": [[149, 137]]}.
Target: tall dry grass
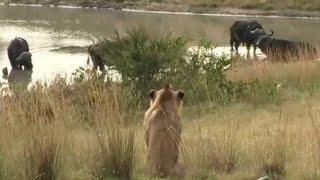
{"points": [[294, 69], [246, 142], [264, 71], [224, 144], [43, 127], [89, 130], [42, 153], [213, 149], [271, 153]]}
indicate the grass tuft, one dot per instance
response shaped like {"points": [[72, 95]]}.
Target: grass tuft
{"points": [[116, 154], [218, 151], [272, 156], [42, 154]]}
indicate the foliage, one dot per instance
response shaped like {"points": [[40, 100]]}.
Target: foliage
{"points": [[145, 63], [202, 73], [140, 58]]}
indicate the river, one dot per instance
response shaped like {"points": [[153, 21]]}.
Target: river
{"points": [[48, 28]]}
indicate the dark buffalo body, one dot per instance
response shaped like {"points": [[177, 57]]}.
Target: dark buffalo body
{"points": [[283, 49], [19, 55], [241, 32], [96, 57]]}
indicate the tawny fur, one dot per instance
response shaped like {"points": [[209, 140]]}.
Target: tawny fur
{"points": [[163, 132]]}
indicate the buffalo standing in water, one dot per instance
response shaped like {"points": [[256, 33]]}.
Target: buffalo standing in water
{"points": [[19, 55], [240, 32], [96, 57]]}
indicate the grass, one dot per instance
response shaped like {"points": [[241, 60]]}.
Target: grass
{"points": [[42, 155], [116, 154], [240, 141], [42, 148], [262, 147]]}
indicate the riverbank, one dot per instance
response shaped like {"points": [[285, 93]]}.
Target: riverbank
{"points": [[247, 8]]}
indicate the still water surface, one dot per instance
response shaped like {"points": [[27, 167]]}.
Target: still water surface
{"points": [[49, 28]]}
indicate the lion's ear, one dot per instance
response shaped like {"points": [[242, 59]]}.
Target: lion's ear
{"points": [[180, 94], [152, 94]]}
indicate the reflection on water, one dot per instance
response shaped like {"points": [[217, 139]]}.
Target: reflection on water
{"points": [[19, 79], [50, 28]]}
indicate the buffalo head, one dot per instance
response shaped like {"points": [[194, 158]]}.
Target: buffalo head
{"points": [[25, 60], [263, 36], [257, 33]]}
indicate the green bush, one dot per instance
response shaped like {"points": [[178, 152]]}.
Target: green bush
{"points": [[145, 62], [141, 59], [202, 74]]}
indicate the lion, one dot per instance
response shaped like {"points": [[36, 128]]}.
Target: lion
{"points": [[163, 128]]}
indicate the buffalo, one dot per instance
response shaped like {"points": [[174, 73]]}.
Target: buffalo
{"points": [[19, 55], [94, 52], [281, 49], [240, 32]]}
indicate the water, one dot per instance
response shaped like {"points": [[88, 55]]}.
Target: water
{"points": [[48, 28]]}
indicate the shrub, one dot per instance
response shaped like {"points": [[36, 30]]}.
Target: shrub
{"points": [[202, 73], [145, 62], [140, 58]]}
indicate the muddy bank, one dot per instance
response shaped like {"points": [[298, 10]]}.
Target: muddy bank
{"points": [[71, 49], [168, 8]]}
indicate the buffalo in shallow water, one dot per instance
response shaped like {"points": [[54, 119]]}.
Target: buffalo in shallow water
{"points": [[240, 32], [96, 57], [281, 49], [19, 55]]}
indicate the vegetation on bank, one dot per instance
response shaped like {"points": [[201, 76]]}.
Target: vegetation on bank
{"points": [[242, 121], [185, 5]]}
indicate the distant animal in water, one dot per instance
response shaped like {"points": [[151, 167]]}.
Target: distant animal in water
{"points": [[94, 52], [163, 132], [19, 55], [240, 32], [281, 49]]}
